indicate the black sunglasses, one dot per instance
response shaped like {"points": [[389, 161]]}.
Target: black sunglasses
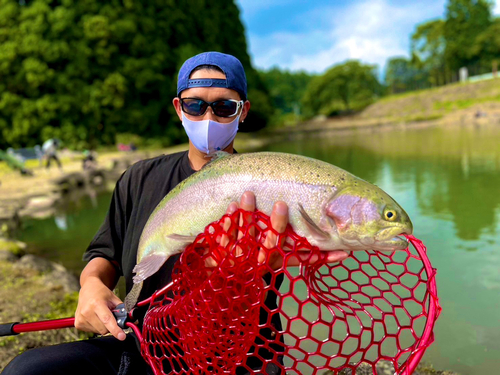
{"points": [[221, 108]]}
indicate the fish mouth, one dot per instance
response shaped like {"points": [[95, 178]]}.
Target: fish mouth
{"points": [[392, 238], [398, 242]]}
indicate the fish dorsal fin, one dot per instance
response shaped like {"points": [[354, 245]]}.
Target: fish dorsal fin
{"points": [[316, 232], [217, 155]]}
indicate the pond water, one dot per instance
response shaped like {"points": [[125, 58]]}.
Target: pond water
{"points": [[447, 180]]}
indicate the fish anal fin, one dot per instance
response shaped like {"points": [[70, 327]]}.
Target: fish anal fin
{"points": [[316, 232], [148, 266]]}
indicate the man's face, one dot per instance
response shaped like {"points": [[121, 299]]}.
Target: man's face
{"points": [[210, 94]]}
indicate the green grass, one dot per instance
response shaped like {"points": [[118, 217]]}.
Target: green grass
{"points": [[434, 103]]}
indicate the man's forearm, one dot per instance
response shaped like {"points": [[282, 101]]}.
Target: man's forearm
{"points": [[102, 269]]}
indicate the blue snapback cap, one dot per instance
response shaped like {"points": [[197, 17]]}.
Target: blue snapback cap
{"points": [[230, 65]]}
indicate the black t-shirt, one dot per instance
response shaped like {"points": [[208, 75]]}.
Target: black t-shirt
{"points": [[137, 193]]}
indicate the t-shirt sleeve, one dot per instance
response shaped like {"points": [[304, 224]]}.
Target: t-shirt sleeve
{"points": [[108, 242]]}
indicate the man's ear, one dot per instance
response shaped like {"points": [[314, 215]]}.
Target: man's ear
{"points": [[244, 111], [177, 105]]}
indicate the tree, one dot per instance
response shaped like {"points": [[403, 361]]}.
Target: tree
{"points": [[401, 75], [286, 88], [83, 71], [427, 49], [465, 20], [487, 46], [344, 87]]}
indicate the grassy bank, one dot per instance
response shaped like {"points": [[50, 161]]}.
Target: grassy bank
{"points": [[435, 103], [28, 294], [451, 104]]}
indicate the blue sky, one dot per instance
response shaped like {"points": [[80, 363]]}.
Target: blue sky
{"points": [[313, 35]]}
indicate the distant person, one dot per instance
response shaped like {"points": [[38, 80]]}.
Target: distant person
{"points": [[49, 149], [89, 160]]}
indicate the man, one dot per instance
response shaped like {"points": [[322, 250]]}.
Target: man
{"points": [[49, 149], [211, 101]]}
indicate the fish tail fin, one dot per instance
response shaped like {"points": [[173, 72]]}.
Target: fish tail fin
{"points": [[133, 296]]}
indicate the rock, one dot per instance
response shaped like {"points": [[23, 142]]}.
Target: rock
{"points": [[62, 278], [36, 263], [16, 248], [7, 256], [54, 275], [40, 206]]}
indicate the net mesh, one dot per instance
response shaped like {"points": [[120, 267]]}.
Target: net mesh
{"points": [[228, 311]]}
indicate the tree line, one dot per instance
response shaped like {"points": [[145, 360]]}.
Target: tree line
{"points": [[84, 71]]}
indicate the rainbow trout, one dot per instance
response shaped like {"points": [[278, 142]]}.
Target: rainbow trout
{"points": [[332, 208]]}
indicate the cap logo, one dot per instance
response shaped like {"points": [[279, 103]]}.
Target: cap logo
{"points": [[207, 82]]}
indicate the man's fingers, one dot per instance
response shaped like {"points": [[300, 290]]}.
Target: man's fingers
{"points": [[233, 206], [109, 321], [332, 256], [279, 221], [247, 203]]}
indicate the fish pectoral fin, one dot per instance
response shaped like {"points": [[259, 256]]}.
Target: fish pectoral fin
{"points": [[181, 237], [148, 266], [316, 232]]}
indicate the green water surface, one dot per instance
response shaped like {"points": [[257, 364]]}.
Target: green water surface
{"points": [[448, 181]]}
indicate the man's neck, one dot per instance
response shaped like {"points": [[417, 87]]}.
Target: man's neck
{"points": [[198, 159]]}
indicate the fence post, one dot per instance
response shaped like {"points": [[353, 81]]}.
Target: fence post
{"points": [[464, 74]]}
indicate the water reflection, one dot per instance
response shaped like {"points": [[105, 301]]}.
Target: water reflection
{"points": [[64, 237], [61, 221], [468, 197], [447, 180], [454, 171]]}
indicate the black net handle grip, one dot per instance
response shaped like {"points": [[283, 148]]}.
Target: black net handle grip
{"points": [[7, 329]]}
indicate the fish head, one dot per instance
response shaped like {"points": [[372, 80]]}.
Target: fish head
{"points": [[364, 217]]}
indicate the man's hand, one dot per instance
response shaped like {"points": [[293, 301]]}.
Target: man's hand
{"points": [[96, 300], [279, 221]]}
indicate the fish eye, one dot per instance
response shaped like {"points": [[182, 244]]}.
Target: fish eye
{"points": [[390, 215]]}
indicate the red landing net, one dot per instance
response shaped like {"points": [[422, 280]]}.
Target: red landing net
{"points": [[372, 312]]}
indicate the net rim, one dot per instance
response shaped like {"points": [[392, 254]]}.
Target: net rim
{"points": [[434, 309]]}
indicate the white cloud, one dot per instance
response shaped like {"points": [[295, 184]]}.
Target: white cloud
{"points": [[370, 30], [496, 8]]}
